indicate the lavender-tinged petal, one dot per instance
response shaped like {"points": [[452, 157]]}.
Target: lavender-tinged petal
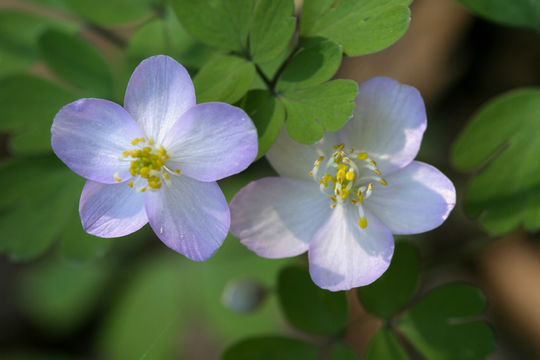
{"points": [[294, 160], [211, 141], [277, 217], [418, 198], [189, 216], [343, 256], [89, 135], [388, 123], [111, 210], [158, 93]]}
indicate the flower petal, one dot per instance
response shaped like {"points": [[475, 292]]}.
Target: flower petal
{"points": [[294, 160], [189, 216], [343, 256], [388, 123], [111, 210], [211, 141], [158, 93], [89, 135], [418, 198], [277, 217]]}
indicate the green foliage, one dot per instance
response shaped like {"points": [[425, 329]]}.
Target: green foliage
{"points": [[219, 23], [444, 324], [268, 115], [19, 33], [308, 307], [108, 12], [226, 79], [271, 29], [394, 289], [27, 108], [360, 26], [342, 352], [78, 62], [506, 190], [60, 297], [271, 348], [385, 345], [523, 13]]}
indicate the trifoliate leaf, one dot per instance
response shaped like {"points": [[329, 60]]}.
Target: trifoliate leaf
{"points": [[268, 115], [444, 325], [523, 13], [78, 62], [308, 307], [360, 26], [107, 12], [271, 348], [271, 29], [395, 287], [506, 190], [225, 79], [220, 23], [385, 345], [312, 110]]}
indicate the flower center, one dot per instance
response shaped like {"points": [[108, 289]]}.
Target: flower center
{"points": [[348, 176], [147, 164]]}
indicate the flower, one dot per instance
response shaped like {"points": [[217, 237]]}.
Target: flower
{"points": [[342, 198], [156, 159]]}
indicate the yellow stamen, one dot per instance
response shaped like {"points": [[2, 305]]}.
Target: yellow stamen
{"points": [[372, 162], [382, 181], [333, 206], [362, 156], [362, 222], [130, 184], [344, 193], [117, 178], [349, 176], [333, 198], [377, 171], [339, 147]]}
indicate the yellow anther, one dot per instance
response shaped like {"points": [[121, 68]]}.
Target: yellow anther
{"points": [[349, 176], [130, 184], [377, 171], [362, 222], [310, 172], [351, 150], [342, 167], [333, 198], [117, 178], [344, 194], [150, 141], [360, 195], [339, 147], [372, 162], [370, 187], [135, 141], [354, 201], [144, 172], [333, 206], [125, 153], [362, 156], [177, 171], [141, 189], [166, 176], [340, 174]]}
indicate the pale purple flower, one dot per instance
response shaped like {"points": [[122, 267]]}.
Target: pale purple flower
{"points": [[342, 198], [156, 159]]}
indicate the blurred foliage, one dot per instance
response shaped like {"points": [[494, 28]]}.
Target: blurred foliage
{"points": [[524, 13]]}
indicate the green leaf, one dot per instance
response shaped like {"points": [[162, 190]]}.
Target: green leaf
{"points": [[308, 307], [271, 348], [394, 289], [360, 26], [223, 24], [36, 185], [226, 79], [385, 345], [59, 297], [27, 108], [108, 12], [523, 13], [268, 115], [76, 61], [506, 190], [316, 62], [342, 352], [444, 324], [312, 110], [167, 37], [19, 32], [271, 30]]}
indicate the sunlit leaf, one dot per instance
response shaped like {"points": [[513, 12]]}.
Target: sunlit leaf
{"points": [[360, 26], [271, 29], [444, 325], [271, 348], [225, 79], [506, 190], [309, 307], [395, 287], [524, 13]]}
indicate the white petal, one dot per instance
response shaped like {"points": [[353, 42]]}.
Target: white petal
{"points": [[343, 256], [417, 198], [277, 217], [189, 216], [158, 93], [111, 210], [388, 123]]}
